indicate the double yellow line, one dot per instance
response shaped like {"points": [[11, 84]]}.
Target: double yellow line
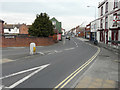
{"points": [[71, 76]]}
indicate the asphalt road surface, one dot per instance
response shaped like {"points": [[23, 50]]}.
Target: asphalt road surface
{"points": [[53, 66]]}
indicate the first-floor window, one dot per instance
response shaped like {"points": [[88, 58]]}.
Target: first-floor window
{"points": [[115, 4]]}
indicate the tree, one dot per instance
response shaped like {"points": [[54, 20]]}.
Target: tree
{"points": [[42, 26]]}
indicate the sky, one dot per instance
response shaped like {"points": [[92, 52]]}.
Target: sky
{"points": [[70, 12]]}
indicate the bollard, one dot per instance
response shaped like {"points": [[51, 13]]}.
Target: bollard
{"points": [[32, 48]]}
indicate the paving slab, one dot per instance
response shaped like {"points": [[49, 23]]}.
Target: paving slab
{"points": [[103, 73]]}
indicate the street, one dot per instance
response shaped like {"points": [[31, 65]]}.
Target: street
{"points": [[50, 45], [56, 66]]}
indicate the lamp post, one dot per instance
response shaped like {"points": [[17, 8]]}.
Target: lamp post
{"points": [[94, 8], [95, 19]]}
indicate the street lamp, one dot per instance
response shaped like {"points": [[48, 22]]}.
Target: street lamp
{"points": [[94, 8]]}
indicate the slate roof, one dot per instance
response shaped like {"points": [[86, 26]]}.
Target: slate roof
{"points": [[11, 26]]}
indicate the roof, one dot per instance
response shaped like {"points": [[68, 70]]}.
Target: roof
{"points": [[29, 25], [11, 26], [54, 19], [1, 20], [101, 3]]}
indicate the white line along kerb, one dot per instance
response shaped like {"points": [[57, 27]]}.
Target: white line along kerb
{"points": [[27, 77]]}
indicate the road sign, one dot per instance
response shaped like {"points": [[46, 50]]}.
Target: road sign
{"points": [[116, 20]]}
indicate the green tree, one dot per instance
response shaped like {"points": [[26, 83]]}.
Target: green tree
{"points": [[42, 26]]}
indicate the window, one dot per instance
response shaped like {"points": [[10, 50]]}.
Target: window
{"points": [[54, 22], [106, 23], [101, 10], [106, 7], [95, 26], [101, 23], [115, 4], [115, 20]]}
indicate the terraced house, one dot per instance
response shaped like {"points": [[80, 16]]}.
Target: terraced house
{"points": [[107, 26]]}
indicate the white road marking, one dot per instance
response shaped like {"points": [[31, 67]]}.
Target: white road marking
{"points": [[14, 74], [75, 43], [41, 53], [50, 53], [5, 60], [1, 86], [27, 77], [58, 51], [69, 48]]}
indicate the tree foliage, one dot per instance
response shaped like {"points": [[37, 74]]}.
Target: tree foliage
{"points": [[42, 26]]}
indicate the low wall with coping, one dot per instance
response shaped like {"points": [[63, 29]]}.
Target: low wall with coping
{"points": [[16, 41]]}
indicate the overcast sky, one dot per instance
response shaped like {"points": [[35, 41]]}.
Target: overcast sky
{"points": [[70, 12]]}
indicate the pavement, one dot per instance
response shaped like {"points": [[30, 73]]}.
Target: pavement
{"points": [[103, 73]]}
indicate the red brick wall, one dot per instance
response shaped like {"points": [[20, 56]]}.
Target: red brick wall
{"points": [[25, 41]]}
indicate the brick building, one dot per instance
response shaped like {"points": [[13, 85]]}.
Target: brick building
{"points": [[87, 31], [11, 28], [16, 28], [78, 31], [1, 26]]}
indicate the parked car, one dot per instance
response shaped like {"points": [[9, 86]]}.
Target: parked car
{"points": [[68, 37]]}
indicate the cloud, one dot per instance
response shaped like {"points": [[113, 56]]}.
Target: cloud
{"points": [[18, 18], [70, 12], [69, 22]]}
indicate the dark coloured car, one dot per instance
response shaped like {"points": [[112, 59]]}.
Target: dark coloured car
{"points": [[68, 37]]}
